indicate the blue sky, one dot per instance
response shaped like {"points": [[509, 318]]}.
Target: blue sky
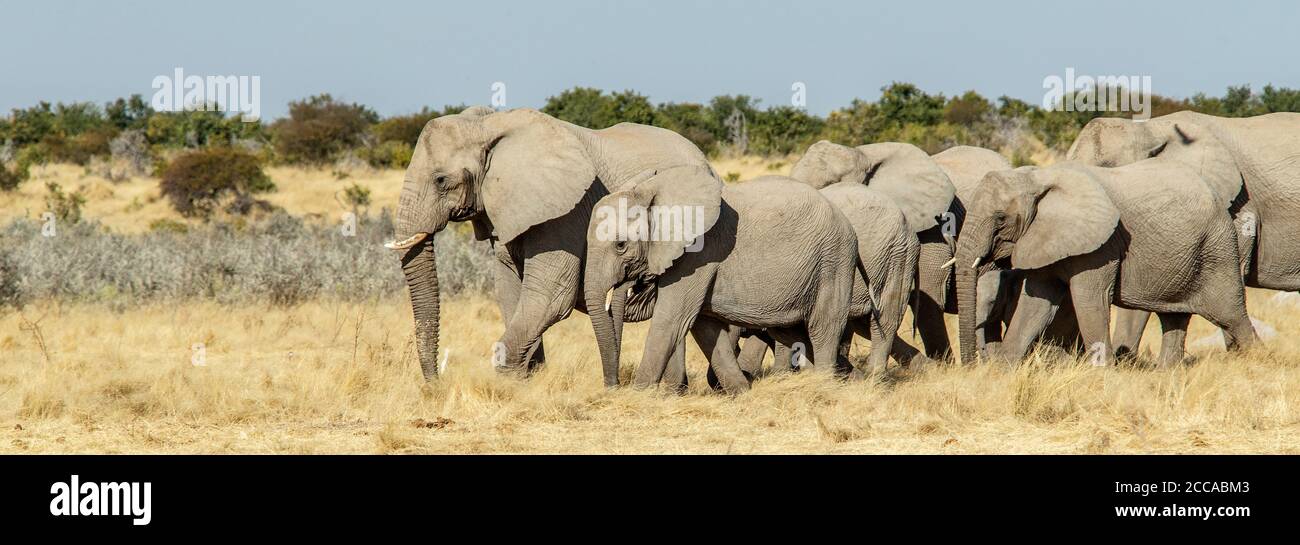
{"points": [[399, 56]]}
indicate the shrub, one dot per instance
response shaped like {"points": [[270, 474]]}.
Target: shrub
{"points": [[592, 108], [320, 127], [198, 182], [692, 121], [11, 178], [65, 206], [402, 128], [389, 154], [356, 196], [783, 130], [130, 152], [197, 128]]}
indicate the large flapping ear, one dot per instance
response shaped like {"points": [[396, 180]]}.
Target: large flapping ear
{"points": [[1199, 149], [684, 203], [536, 171], [827, 163], [906, 173], [1073, 216]]}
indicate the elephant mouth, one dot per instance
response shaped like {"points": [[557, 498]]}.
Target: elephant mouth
{"points": [[462, 214], [407, 243]]}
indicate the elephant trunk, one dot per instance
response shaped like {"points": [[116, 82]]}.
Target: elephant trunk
{"points": [[972, 249], [607, 324], [420, 266]]}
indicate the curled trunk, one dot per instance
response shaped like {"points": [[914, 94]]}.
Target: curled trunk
{"points": [[420, 267]]}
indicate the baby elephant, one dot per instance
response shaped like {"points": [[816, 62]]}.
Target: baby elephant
{"points": [[778, 255], [1147, 236]]}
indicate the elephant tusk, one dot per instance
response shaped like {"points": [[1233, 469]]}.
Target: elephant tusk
{"points": [[976, 263], [412, 241], [950, 263]]}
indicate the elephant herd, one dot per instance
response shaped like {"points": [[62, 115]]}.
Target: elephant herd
{"points": [[1175, 215]]}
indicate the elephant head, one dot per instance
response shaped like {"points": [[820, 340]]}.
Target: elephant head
{"points": [[902, 171], [1114, 142], [1027, 218], [635, 235], [507, 171]]}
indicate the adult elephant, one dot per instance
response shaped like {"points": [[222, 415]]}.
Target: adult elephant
{"points": [[527, 182], [1253, 166], [997, 291], [1102, 237], [926, 196]]}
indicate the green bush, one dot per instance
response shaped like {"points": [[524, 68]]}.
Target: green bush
{"points": [[402, 128], [592, 108], [389, 154], [783, 130], [200, 181], [693, 121], [65, 206], [319, 128]]}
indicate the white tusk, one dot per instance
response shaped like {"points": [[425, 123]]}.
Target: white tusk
{"points": [[948, 264], [629, 293], [412, 241], [976, 263]]}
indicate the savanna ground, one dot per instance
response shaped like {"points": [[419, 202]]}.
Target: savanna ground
{"points": [[331, 376]]}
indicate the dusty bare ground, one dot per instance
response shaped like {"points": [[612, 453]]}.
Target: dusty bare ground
{"points": [[342, 378]]}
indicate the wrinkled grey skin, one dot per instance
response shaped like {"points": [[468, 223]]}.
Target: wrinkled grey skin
{"points": [[928, 200], [780, 257], [997, 291], [887, 251], [1253, 166], [1101, 237], [527, 182]]}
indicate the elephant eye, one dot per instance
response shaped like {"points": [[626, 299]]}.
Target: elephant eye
{"points": [[620, 246], [440, 181]]}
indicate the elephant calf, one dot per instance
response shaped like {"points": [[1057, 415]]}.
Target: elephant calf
{"points": [[1148, 236], [779, 256]]}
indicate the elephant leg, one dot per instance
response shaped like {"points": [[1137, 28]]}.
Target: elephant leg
{"points": [[931, 294], [791, 349], [882, 344], [543, 300], [716, 341], [675, 373], [1091, 292], [1174, 327], [825, 331], [676, 310], [1037, 305], [1229, 314], [507, 283], [1063, 330], [1129, 327], [752, 352], [733, 336], [990, 296]]}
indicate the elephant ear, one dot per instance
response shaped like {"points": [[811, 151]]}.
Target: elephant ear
{"points": [[826, 163], [1073, 216], [684, 203], [536, 170], [908, 175]]}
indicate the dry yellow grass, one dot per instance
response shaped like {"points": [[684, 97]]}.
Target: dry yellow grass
{"points": [[339, 377]]}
